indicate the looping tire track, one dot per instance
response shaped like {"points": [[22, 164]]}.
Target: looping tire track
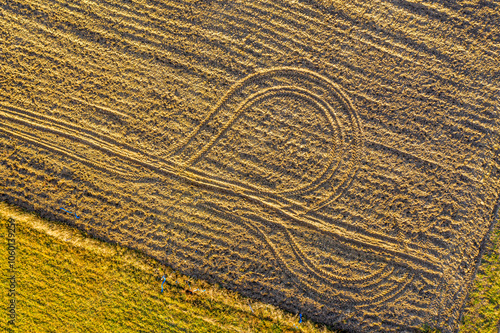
{"points": [[267, 94], [329, 88], [197, 177], [249, 191], [372, 281]]}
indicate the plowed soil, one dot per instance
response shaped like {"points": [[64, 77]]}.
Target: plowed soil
{"points": [[337, 159]]}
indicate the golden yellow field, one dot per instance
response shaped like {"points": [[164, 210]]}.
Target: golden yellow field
{"points": [[338, 159]]}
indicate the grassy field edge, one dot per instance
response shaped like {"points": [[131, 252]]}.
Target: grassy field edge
{"points": [[123, 288], [68, 281]]}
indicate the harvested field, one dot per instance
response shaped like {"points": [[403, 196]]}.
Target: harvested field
{"points": [[336, 159]]}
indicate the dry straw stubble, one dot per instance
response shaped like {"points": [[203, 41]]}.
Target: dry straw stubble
{"points": [[332, 158]]}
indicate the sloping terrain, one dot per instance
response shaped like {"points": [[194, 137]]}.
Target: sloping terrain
{"points": [[336, 159], [68, 282], [118, 284]]}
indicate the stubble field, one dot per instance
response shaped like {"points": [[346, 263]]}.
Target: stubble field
{"points": [[336, 159]]}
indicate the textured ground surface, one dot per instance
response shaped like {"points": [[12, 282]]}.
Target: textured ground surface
{"points": [[340, 160], [69, 282]]}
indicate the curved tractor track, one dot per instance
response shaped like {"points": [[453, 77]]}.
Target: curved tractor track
{"points": [[339, 159]]}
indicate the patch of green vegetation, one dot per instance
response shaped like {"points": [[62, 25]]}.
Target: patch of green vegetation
{"points": [[426, 328], [483, 310]]}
